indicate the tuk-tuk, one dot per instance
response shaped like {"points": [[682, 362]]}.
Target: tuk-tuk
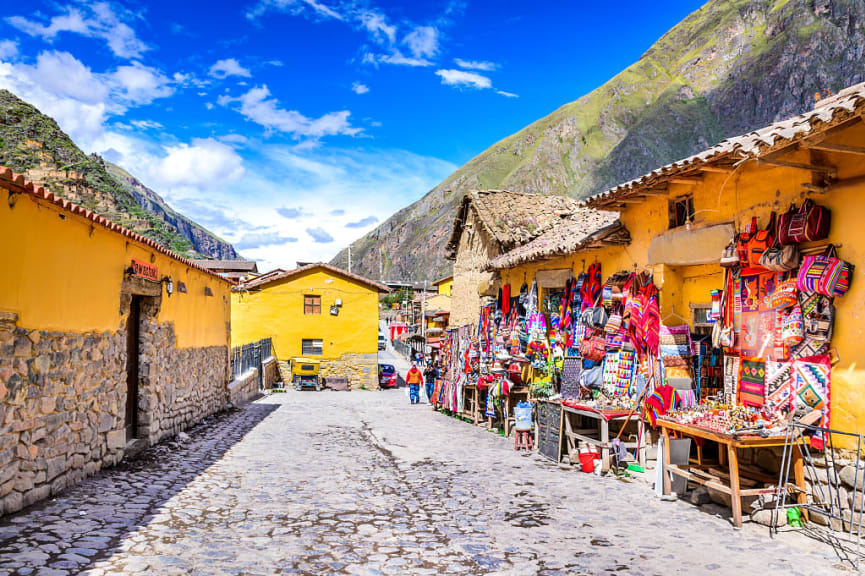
{"points": [[304, 373]]}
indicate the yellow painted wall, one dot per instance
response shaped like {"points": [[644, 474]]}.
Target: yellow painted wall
{"points": [[62, 272], [277, 310], [445, 287], [438, 302], [752, 190]]}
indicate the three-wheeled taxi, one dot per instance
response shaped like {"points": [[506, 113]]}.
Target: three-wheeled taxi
{"points": [[305, 373]]}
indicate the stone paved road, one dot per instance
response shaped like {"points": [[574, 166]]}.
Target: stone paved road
{"points": [[364, 483]]}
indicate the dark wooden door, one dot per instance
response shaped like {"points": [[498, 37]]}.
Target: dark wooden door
{"points": [[133, 326]]}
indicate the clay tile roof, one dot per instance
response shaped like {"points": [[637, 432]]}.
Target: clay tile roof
{"points": [[18, 185], [848, 104], [265, 279], [582, 230], [510, 218], [231, 265]]}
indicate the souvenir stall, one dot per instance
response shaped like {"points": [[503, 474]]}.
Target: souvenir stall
{"points": [[770, 358], [611, 335]]}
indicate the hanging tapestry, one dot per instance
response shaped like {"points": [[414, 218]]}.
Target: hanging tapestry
{"points": [[611, 371], [811, 379], [756, 319], [809, 347], [752, 382], [779, 385]]}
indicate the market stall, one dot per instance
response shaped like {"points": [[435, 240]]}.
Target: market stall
{"points": [[591, 427]]}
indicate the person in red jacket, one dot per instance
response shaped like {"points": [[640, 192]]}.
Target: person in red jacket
{"points": [[413, 379]]}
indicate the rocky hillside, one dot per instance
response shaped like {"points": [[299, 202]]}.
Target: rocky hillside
{"points": [[731, 66], [34, 145]]}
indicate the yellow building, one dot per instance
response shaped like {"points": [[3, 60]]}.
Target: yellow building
{"points": [[107, 341], [444, 285], [316, 311], [681, 216]]}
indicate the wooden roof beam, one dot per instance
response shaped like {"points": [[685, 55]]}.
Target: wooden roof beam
{"points": [[836, 148], [683, 180], [830, 171], [720, 169]]}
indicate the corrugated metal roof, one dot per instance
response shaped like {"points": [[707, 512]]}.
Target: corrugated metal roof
{"points": [[826, 114]]}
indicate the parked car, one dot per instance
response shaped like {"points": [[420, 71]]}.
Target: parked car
{"points": [[382, 343], [387, 377]]}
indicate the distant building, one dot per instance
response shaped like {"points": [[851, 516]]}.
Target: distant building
{"points": [[445, 285], [239, 270], [317, 311]]}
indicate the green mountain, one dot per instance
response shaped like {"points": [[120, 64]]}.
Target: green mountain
{"points": [[730, 67], [32, 144]]}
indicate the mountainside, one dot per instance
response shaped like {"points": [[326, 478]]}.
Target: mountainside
{"points": [[34, 145], [730, 67]]}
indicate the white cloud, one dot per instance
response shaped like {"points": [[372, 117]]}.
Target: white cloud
{"points": [[64, 76], [507, 94], [257, 106], [97, 20], [140, 84], [398, 59], [228, 67], [309, 7], [423, 42], [359, 88], [376, 24], [483, 65], [203, 163], [146, 124], [463, 78], [8, 49]]}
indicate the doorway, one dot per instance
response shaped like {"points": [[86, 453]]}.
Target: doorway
{"points": [[133, 329]]}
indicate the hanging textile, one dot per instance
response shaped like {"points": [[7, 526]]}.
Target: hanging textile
{"points": [[812, 384], [756, 322], [651, 318], [752, 382], [506, 299], [675, 345], [592, 286], [731, 378], [779, 385], [659, 402]]}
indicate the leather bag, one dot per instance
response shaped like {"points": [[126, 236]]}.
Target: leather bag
{"points": [[595, 318], [760, 242], [807, 223], [780, 258]]}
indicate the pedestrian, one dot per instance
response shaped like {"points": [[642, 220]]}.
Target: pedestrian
{"points": [[413, 380], [431, 374]]}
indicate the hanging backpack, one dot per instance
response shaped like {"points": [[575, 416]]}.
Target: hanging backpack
{"points": [[760, 242], [743, 241], [593, 348], [807, 223], [818, 315]]}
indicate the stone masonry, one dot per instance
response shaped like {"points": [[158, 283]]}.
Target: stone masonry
{"points": [[63, 402], [361, 370]]}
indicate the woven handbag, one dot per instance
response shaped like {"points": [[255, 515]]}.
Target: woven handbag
{"points": [[792, 329], [824, 274], [784, 295], [593, 348], [807, 223]]}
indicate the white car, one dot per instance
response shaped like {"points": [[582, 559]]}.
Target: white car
{"points": [[382, 343]]}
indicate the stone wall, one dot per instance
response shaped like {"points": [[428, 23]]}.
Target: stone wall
{"points": [[63, 401], [62, 409], [472, 255], [271, 373], [361, 370], [178, 386], [243, 389]]}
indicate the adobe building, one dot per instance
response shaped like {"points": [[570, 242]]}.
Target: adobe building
{"points": [[108, 342]]}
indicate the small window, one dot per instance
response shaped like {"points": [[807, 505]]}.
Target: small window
{"points": [[311, 347], [701, 318], [312, 304], [681, 211]]}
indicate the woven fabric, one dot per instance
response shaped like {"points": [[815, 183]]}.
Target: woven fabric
{"points": [[779, 385], [659, 402], [811, 380], [731, 376], [675, 345], [752, 382]]}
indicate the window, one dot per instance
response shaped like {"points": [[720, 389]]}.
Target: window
{"points": [[681, 211], [312, 304], [311, 347], [701, 318]]}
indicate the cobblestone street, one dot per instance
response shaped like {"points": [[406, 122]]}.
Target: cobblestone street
{"points": [[364, 483]]}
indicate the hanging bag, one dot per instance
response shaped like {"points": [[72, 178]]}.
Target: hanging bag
{"points": [[807, 223], [760, 242], [743, 241], [785, 294], [824, 274], [792, 328], [593, 348], [780, 258], [730, 256], [818, 314]]}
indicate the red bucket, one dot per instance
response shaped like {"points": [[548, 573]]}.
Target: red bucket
{"points": [[587, 461]]}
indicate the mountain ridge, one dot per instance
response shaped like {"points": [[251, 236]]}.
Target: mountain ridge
{"points": [[729, 67], [33, 144]]}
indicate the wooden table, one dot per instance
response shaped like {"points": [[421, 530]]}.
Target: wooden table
{"points": [[731, 457], [599, 435], [471, 403]]}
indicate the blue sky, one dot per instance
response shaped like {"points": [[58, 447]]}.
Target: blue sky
{"points": [[292, 127]]}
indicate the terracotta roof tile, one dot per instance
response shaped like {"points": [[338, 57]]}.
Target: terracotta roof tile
{"points": [[17, 184]]}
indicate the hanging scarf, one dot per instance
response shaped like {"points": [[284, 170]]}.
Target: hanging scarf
{"points": [[659, 402], [592, 286], [506, 299]]}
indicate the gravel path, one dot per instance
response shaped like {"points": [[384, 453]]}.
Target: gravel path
{"points": [[364, 483]]}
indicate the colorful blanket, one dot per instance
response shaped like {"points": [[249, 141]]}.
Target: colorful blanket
{"points": [[752, 382], [811, 381], [675, 345], [659, 402], [779, 385]]}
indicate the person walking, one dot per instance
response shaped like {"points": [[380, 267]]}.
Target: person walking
{"points": [[413, 380], [431, 374]]}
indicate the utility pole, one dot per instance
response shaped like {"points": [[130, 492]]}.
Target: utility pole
{"points": [[349, 258]]}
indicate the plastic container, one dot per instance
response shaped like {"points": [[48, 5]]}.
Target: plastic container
{"points": [[587, 461], [523, 416]]}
